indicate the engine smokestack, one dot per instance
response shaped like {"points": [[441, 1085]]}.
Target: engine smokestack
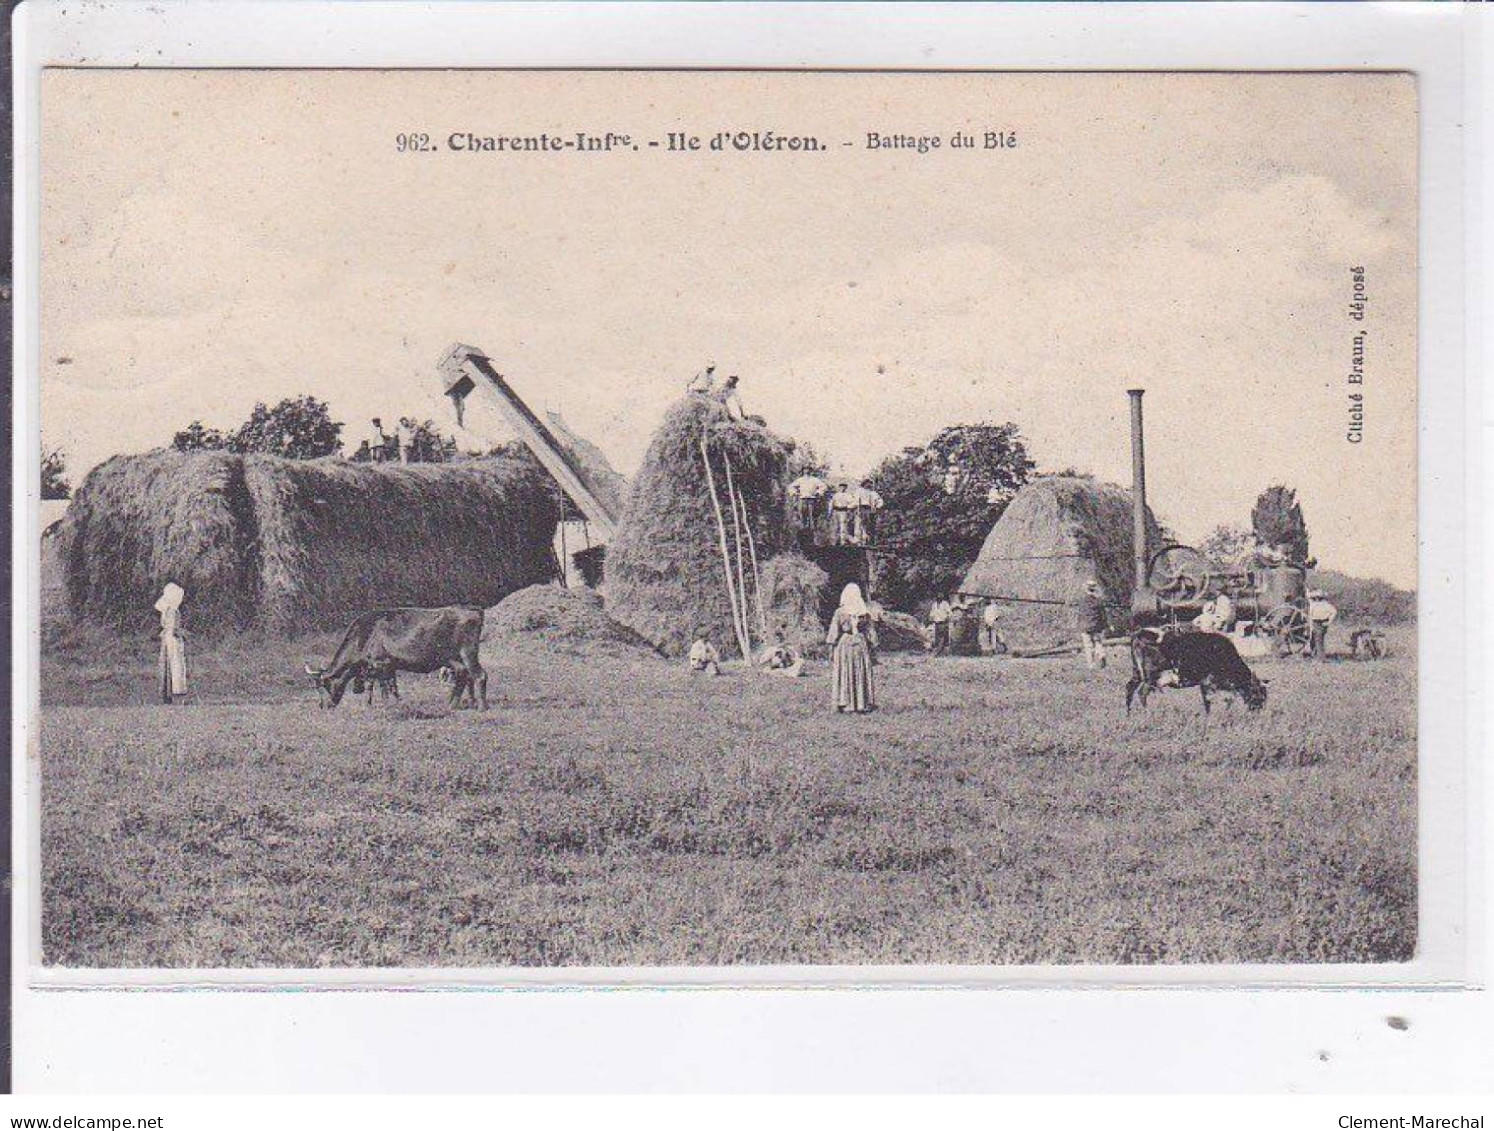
{"points": [[1138, 491]]}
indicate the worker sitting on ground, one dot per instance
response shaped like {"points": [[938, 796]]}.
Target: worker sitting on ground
{"points": [[780, 658], [1368, 644], [703, 381], [703, 654]]}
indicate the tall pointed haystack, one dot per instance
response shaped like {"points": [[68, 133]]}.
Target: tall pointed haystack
{"points": [[1056, 534], [665, 575]]}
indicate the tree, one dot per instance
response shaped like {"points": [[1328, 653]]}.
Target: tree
{"points": [[806, 460], [1227, 545], [195, 437], [941, 501], [296, 428], [54, 484], [1366, 600], [1277, 522], [424, 443]]}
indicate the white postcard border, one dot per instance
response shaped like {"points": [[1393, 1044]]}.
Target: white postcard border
{"points": [[1441, 44]]}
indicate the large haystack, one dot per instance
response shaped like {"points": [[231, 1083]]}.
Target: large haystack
{"points": [[665, 575], [291, 546], [1056, 534], [137, 522]]}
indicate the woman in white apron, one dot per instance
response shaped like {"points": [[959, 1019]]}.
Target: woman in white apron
{"points": [[173, 665]]}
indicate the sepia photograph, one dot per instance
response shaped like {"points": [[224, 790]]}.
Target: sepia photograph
{"points": [[727, 519]]}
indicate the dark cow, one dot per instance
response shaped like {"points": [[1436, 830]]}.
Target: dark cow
{"points": [[378, 644], [1205, 660]]}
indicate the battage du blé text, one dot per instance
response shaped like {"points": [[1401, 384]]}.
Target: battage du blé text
{"points": [[682, 142]]}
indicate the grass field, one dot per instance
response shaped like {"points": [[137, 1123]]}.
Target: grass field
{"points": [[615, 811]]}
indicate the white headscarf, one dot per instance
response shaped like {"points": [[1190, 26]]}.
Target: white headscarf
{"points": [[171, 597], [851, 602]]}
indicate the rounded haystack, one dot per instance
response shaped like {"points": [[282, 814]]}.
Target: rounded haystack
{"points": [[1056, 534], [665, 572], [794, 590], [553, 618], [291, 546]]}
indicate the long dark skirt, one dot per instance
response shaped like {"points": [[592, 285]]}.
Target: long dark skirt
{"points": [[851, 685]]}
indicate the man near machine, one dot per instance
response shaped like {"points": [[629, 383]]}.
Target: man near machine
{"points": [[991, 643], [1320, 614], [1092, 623], [939, 622], [1218, 615]]}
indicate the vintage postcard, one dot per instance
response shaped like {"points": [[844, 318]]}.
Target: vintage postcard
{"points": [[618, 519]]}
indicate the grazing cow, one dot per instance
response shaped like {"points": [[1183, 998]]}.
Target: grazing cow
{"points": [[378, 644], [1205, 660]]}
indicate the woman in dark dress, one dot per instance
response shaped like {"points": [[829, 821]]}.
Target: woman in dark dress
{"points": [[853, 637]]}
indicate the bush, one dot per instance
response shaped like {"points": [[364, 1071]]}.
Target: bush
{"points": [[1366, 599]]}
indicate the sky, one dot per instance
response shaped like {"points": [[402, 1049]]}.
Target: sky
{"points": [[213, 239]]}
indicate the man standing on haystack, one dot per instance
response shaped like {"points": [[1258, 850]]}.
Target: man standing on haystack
{"points": [[703, 381], [807, 491], [1092, 624], [844, 503], [731, 400], [173, 663], [868, 503]]}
